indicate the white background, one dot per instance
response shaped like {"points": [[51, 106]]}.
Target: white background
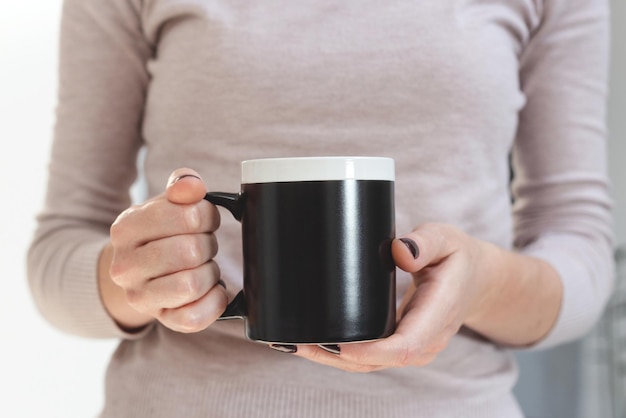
{"points": [[44, 373]]}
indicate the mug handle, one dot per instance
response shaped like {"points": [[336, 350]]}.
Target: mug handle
{"points": [[234, 203]]}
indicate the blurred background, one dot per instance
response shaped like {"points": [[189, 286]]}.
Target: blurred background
{"points": [[46, 373]]}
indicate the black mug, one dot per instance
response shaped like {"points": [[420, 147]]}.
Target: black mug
{"points": [[317, 235]]}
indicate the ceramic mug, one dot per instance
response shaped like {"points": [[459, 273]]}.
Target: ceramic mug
{"points": [[316, 235]]}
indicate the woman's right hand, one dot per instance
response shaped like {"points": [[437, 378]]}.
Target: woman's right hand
{"points": [[159, 263]]}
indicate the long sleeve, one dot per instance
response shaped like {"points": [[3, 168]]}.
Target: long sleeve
{"points": [[561, 188], [102, 88]]}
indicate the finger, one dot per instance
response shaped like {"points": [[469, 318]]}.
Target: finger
{"points": [[198, 315], [320, 356], [426, 245], [175, 290], [159, 218], [392, 352], [399, 350], [162, 257], [185, 186]]}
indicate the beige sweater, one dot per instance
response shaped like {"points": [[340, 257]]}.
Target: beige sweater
{"points": [[447, 88]]}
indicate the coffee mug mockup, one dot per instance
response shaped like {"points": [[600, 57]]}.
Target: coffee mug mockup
{"points": [[317, 235]]}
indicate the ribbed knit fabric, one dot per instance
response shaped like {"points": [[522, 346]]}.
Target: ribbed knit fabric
{"points": [[213, 374], [447, 88]]}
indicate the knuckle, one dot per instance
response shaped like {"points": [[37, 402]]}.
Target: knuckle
{"points": [[214, 270], [118, 270], [180, 320], [117, 231], [200, 217], [190, 251], [213, 245], [190, 322], [214, 218], [189, 284], [134, 298], [191, 218], [194, 318], [121, 230], [221, 303]]}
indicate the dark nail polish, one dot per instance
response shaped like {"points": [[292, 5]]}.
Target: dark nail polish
{"points": [[183, 176], [221, 283], [412, 246], [284, 348], [331, 348]]}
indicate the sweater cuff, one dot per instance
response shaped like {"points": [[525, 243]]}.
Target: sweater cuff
{"points": [[586, 286]]}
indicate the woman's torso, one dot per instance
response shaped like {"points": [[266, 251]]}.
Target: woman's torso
{"points": [[432, 84]]}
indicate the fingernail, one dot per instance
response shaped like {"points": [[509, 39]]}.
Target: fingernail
{"points": [[284, 348], [176, 179], [331, 348], [221, 283], [412, 246]]}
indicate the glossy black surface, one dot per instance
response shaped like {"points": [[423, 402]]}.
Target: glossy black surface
{"points": [[318, 265]]}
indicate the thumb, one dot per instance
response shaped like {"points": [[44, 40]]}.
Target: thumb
{"points": [[426, 245], [185, 186]]}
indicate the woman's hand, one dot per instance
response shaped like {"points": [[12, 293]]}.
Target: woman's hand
{"points": [[457, 280], [159, 263]]}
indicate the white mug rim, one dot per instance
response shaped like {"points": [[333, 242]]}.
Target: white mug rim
{"points": [[319, 168]]}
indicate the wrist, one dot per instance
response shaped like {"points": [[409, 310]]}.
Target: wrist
{"points": [[489, 261], [519, 297]]}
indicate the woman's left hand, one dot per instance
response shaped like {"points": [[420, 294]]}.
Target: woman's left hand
{"points": [[450, 273]]}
